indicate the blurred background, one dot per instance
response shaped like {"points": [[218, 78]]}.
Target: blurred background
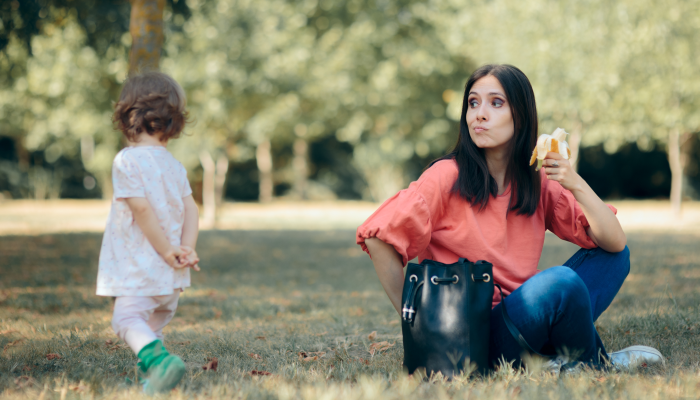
{"points": [[345, 99]]}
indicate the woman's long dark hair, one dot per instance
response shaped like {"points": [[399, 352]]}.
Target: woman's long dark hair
{"points": [[474, 182]]}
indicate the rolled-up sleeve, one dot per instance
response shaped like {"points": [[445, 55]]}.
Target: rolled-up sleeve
{"points": [[403, 221], [406, 220], [568, 222]]}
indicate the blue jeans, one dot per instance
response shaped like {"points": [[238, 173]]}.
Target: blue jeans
{"points": [[555, 309]]}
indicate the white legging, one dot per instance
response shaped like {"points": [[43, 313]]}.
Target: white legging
{"points": [[139, 320]]}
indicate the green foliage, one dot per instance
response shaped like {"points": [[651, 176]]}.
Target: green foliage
{"points": [[383, 77], [61, 102], [369, 73], [615, 71]]}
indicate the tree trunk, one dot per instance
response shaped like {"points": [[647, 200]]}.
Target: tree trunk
{"points": [[574, 145], [146, 28], [301, 170], [674, 161], [221, 171], [105, 180], [208, 189], [263, 155]]}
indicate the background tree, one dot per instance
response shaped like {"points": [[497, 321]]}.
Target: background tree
{"points": [[608, 72], [659, 95], [286, 75]]}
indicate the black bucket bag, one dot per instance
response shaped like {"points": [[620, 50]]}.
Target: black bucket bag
{"points": [[446, 316]]}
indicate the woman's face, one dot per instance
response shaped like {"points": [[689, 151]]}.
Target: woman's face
{"points": [[488, 114]]}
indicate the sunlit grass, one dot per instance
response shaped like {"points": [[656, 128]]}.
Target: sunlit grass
{"points": [[265, 297]]}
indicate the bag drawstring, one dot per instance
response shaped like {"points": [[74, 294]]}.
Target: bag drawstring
{"points": [[408, 313]]}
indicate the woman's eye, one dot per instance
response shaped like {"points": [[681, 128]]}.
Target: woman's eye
{"points": [[498, 103], [473, 103]]}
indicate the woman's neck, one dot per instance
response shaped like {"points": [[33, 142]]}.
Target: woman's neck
{"points": [[144, 139], [497, 161]]}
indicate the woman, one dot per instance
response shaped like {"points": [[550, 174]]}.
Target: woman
{"points": [[483, 201]]}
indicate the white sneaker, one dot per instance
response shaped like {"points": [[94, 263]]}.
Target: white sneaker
{"points": [[554, 365], [634, 357]]}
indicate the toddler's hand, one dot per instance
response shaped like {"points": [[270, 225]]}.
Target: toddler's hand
{"points": [[174, 257], [189, 258]]}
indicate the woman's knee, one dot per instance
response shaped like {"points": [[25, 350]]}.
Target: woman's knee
{"points": [[619, 262], [567, 284]]}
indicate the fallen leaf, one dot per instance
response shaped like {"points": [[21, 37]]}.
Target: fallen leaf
{"points": [[260, 373], [261, 337], [255, 356], [372, 335], [109, 342], [8, 331], [307, 359], [321, 334], [52, 356], [379, 346], [212, 365], [209, 331], [644, 365], [26, 368], [362, 360], [185, 343], [123, 373], [602, 379], [394, 322]]}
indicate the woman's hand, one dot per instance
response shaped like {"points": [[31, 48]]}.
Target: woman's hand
{"points": [[604, 229], [559, 169]]}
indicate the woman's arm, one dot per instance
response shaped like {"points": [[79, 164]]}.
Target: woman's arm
{"points": [[148, 222], [605, 229], [387, 263]]}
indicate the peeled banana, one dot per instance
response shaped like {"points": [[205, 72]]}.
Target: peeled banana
{"points": [[550, 143]]}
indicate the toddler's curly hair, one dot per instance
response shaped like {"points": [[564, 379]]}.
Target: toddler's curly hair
{"points": [[151, 102]]}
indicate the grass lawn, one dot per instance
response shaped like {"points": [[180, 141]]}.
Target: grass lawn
{"points": [[264, 297]]}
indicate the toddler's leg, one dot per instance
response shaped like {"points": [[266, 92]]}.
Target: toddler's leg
{"points": [[130, 320], [134, 321], [163, 313]]}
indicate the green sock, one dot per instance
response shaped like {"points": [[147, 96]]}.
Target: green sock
{"points": [[152, 354]]}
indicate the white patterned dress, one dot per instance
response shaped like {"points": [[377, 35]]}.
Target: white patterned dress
{"points": [[129, 265]]}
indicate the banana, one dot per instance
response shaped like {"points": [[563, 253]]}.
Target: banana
{"points": [[550, 143]]}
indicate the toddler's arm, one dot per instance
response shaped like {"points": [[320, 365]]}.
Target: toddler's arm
{"points": [[148, 222], [190, 231]]}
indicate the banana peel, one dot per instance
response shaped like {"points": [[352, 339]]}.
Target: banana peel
{"points": [[554, 143]]}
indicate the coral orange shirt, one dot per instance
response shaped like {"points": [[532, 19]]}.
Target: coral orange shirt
{"points": [[428, 220]]}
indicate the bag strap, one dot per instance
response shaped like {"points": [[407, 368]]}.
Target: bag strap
{"points": [[513, 329]]}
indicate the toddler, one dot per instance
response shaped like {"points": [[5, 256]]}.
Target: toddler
{"points": [[148, 245]]}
